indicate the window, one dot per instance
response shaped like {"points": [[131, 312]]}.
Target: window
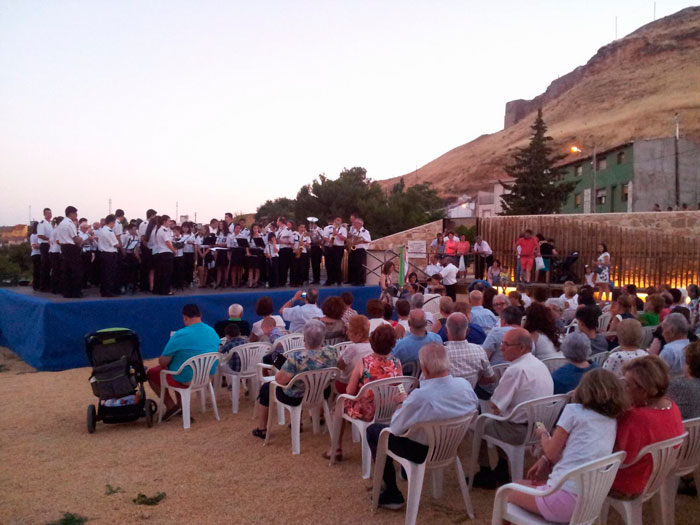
{"points": [[620, 157], [601, 196], [578, 170], [625, 192], [578, 200], [601, 163]]}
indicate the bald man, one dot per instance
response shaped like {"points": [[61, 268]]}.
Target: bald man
{"points": [[407, 348], [481, 316]]}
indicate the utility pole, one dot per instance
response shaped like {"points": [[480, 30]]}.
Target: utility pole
{"points": [[594, 197], [654, 10], [676, 161], [616, 28], [30, 214], [177, 212], [110, 206]]}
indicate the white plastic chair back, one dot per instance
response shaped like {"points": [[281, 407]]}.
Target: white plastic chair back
{"points": [[689, 456], [291, 342], [554, 363], [594, 480], [411, 368], [572, 327], [201, 366], [499, 370], [599, 358], [251, 354], [315, 382], [334, 341], [604, 322], [647, 337], [384, 391], [431, 303], [443, 437], [664, 455], [544, 409], [340, 347]]}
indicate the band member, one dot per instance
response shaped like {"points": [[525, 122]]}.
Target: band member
{"points": [[358, 240], [285, 244], [237, 255], [131, 260], [163, 252], [69, 241], [301, 253], [337, 235], [316, 251], [203, 243], [145, 228], [179, 259], [43, 232], [272, 259], [228, 218], [119, 225], [35, 255], [254, 257], [88, 247], [244, 231], [107, 244], [55, 258], [221, 249]]}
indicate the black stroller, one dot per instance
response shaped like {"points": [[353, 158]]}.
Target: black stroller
{"points": [[561, 269], [117, 378]]}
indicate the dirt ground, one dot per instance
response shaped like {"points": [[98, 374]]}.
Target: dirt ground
{"points": [[216, 472]]}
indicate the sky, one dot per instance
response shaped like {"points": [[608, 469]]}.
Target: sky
{"points": [[220, 105]]}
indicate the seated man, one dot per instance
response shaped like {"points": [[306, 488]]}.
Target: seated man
{"points": [[675, 331], [475, 334], [440, 396], [587, 318], [194, 339], [526, 378], [235, 315], [467, 359], [417, 300], [481, 316], [298, 315], [313, 357], [406, 349]]}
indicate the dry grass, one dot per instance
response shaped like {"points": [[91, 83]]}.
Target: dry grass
{"points": [[214, 473]]}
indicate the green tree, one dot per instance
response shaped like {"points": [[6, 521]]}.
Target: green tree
{"points": [[536, 190], [272, 209]]}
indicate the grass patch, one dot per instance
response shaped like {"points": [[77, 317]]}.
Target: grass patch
{"points": [[109, 490], [69, 519], [142, 499]]}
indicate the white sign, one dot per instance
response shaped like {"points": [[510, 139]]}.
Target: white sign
{"points": [[416, 250]]}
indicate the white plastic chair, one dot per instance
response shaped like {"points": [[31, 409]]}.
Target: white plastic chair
{"points": [[340, 347], [544, 409], [314, 382], [384, 391], [593, 480], [290, 342], [599, 358], [688, 463], [647, 337], [604, 322], [572, 327], [443, 438], [431, 303], [499, 370], [201, 366], [554, 363], [664, 456], [411, 368], [250, 354]]}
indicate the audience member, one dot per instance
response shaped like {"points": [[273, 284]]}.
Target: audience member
{"points": [[685, 389], [652, 308], [543, 330], [264, 308], [403, 308], [631, 290], [467, 360], [516, 300], [270, 331], [313, 357], [629, 335], [406, 349], [375, 312], [587, 318], [576, 347], [417, 300], [298, 316], [653, 417], [358, 333], [440, 396], [232, 338], [333, 309], [235, 316], [556, 307], [675, 331], [511, 318], [480, 315], [499, 302], [446, 306], [349, 312], [625, 310]]}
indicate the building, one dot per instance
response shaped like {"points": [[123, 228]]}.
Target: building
{"points": [[10, 235], [634, 177]]}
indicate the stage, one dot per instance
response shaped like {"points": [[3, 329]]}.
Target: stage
{"points": [[47, 331]]}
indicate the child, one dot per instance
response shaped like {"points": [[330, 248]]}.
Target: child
{"points": [[589, 276], [270, 331], [272, 257], [178, 260], [585, 432], [493, 275], [233, 339], [433, 282]]}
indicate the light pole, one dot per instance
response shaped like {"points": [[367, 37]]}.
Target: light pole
{"points": [[576, 149]]}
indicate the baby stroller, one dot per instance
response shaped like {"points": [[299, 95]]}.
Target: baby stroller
{"points": [[117, 378], [561, 270]]}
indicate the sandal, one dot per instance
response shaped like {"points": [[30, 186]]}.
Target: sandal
{"points": [[260, 433], [338, 455]]}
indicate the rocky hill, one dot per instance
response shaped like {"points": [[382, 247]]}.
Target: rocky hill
{"points": [[629, 90]]}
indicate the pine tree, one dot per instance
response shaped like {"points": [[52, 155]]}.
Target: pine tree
{"points": [[535, 190]]}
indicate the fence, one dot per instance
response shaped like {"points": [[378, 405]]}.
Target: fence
{"points": [[645, 257]]}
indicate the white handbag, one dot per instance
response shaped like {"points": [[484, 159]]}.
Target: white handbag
{"points": [[539, 263]]}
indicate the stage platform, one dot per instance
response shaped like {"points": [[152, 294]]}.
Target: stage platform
{"points": [[47, 331]]}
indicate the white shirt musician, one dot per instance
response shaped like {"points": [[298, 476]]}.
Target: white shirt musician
{"points": [[359, 235], [107, 240]]}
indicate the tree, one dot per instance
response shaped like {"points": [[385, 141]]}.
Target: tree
{"points": [[272, 209], [535, 190]]}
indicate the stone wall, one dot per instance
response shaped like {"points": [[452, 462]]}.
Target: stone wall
{"points": [[426, 232]]}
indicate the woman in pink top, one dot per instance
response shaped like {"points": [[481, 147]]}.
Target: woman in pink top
{"points": [[462, 250], [451, 244]]}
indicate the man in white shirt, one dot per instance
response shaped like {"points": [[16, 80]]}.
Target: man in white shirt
{"points": [[69, 241], [297, 316], [526, 378], [434, 267], [449, 277], [467, 360], [360, 239], [107, 244], [285, 242], [484, 317], [484, 256], [336, 235], [675, 331], [43, 231], [119, 224], [147, 273]]}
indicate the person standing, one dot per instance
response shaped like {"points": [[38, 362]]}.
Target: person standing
{"points": [[449, 277], [316, 251], [164, 253], [43, 232], [483, 256], [55, 257], [35, 255], [131, 259], [145, 229], [108, 244], [603, 270], [302, 246], [339, 235], [69, 241], [360, 239], [285, 243], [529, 249]]}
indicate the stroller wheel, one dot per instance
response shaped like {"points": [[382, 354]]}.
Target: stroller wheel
{"points": [[91, 419], [151, 409]]}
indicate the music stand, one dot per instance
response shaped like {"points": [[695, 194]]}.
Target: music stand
{"points": [[259, 242], [242, 243]]}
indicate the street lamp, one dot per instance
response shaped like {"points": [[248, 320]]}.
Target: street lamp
{"points": [[576, 149]]}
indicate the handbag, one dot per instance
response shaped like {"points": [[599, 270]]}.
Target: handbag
{"points": [[539, 263]]}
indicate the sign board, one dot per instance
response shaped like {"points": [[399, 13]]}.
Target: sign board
{"points": [[416, 250]]}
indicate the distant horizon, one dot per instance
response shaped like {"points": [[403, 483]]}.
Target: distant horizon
{"points": [[221, 107]]}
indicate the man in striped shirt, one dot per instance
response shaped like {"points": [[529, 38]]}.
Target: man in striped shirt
{"points": [[467, 360]]}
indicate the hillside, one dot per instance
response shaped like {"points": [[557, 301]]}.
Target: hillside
{"points": [[629, 90]]}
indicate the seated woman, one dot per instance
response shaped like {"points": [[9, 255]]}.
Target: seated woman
{"points": [[623, 309], [576, 348], [313, 357], [380, 364], [375, 313], [685, 390], [264, 308], [652, 308], [653, 417], [333, 309], [585, 432], [629, 334], [358, 333], [446, 306], [543, 330]]}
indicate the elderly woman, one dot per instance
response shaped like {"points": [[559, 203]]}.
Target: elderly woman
{"points": [[333, 309], [543, 330], [685, 390], [264, 308], [652, 309], [313, 357], [576, 348], [629, 334], [557, 307], [446, 306], [499, 303], [358, 333], [653, 417]]}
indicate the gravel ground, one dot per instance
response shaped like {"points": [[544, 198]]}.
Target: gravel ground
{"points": [[214, 473]]}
